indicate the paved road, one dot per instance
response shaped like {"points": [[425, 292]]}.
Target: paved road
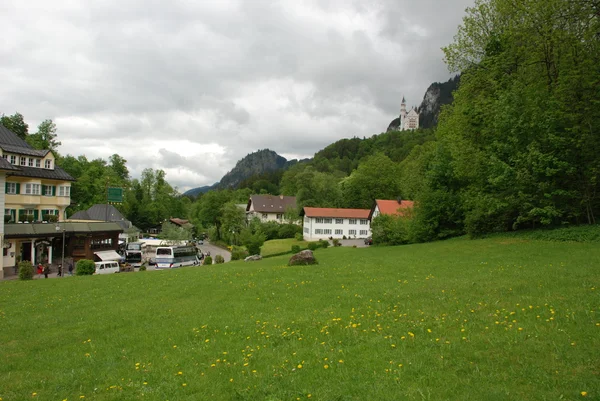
{"points": [[215, 250]]}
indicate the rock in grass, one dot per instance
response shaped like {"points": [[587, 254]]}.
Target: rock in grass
{"points": [[253, 257], [305, 257]]}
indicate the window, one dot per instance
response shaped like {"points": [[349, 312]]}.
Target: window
{"points": [[352, 221], [23, 161], [364, 222], [279, 216], [11, 187], [319, 220], [364, 232], [306, 219], [64, 191], [47, 190], [339, 221], [351, 232], [38, 163], [327, 221], [318, 231], [339, 232], [13, 159], [47, 163], [306, 230], [327, 231], [31, 161], [28, 212], [265, 216], [49, 211], [12, 213], [32, 189]]}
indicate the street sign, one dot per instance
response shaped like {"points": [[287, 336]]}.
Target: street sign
{"points": [[115, 195]]}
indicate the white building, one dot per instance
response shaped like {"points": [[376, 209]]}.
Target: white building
{"points": [[270, 207], [410, 120], [323, 223]]}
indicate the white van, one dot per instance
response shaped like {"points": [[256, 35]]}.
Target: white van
{"points": [[109, 266]]}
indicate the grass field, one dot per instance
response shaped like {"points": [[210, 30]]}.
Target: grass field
{"points": [[492, 319], [277, 246]]}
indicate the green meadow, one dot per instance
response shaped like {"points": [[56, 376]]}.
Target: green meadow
{"points": [[500, 318]]}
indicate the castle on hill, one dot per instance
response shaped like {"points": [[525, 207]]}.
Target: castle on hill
{"points": [[410, 120]]}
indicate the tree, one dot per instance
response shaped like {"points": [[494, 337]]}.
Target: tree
{"points": [[16, 124], [45, 137], [233, 220], [375, 178]]}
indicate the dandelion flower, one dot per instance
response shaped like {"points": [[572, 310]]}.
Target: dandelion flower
{"points": [[184, 384], [299, 366], [325, 366], [584, 393]]}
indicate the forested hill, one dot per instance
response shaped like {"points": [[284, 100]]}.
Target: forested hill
{"points": [[256, 163]]}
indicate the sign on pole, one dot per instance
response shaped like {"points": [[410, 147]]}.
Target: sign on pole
{"points": [[115, 195]]}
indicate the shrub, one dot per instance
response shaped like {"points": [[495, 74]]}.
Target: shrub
{"points": [[143, 268], [336, 242], [85, 267], [323, 243], [295, 248], [219, 259], [25, 270], [7, 218], [299, 237], [29, 218], [313, 245], [252, 241], [289, 231], [208, 260], [51, 218], [238, 253]]}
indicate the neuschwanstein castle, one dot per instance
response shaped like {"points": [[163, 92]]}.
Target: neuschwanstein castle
{"points": [[408, 120]]}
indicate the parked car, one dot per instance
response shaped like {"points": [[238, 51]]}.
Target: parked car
{"points": [[369, 241]]}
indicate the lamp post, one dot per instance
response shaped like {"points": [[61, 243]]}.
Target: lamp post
{"points": [[62, 257]]}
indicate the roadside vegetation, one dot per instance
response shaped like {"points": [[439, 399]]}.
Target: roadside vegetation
{"points": [[496, 318]]}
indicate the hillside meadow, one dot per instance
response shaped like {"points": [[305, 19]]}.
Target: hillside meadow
{"points": [[492, 319]]}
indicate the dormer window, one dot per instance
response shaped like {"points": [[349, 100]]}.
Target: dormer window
{"points": [[31, 161], [23, 161], [13, 159], [38, 163], [48, 164]]}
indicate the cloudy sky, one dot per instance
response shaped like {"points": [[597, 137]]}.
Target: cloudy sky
{"points": [[192, 86]]}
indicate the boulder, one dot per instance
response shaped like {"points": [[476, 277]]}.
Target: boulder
{"points": [[253, 257], [305, 257]]}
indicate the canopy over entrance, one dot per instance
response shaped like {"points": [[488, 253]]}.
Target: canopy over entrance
{"points": [[108, 255]]}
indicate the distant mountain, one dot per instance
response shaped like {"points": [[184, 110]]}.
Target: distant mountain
{"points": [[252, 166], [201, 190], [437, 95]]}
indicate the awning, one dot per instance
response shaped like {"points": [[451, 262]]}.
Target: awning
{"points": [[108, 255]]}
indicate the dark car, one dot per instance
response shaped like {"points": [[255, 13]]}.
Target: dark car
{"points": [[369, 241]]}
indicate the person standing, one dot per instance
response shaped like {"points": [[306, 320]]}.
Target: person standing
{"points": [[59, 272], [70, 268], [46, 271]]}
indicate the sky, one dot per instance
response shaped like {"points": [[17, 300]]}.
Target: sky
{"points": [[192, 86]]}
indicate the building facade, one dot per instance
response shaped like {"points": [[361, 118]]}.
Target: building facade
{"points": [[270, 207], [396, 207], [408, 120], [324, 223]]}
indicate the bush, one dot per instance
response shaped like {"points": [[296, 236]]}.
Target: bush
{"points": [[219, 259], [25, 270], [295, 248], [299, 237], [238, 253], [289, 231], [323, 243], [143, 268], [51, 218], [336, 242], [253, 242], [313, 245], [208, 260], [85, 267], [7, 218]]}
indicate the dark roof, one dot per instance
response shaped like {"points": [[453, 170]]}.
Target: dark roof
{"points": [[24, 151], [7, 137], [103, 213], [178, 221], [5, 165], [271, 203], [56, 174], [10, 142], [17, 230]]}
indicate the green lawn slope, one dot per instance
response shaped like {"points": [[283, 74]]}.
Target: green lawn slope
{"points": [[493, 319]]}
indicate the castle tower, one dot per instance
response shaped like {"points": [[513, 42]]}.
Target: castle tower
{"points": [[402, 113]]}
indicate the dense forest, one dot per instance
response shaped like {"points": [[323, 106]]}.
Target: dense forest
{"points": [[517, 147]]}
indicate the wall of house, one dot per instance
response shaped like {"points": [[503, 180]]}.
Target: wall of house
{"points": [[2, 201], [323, 227], [22, 201], [266, 217]]}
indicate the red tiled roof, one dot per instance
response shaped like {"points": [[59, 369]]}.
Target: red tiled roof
{"points": [[336, 213], [178, 221], [392, 207]]}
